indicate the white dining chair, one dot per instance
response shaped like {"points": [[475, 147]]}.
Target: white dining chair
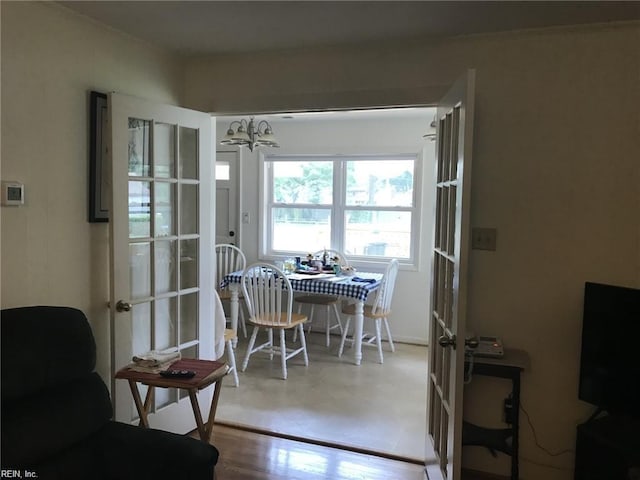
{"points": [[229, 337], [378, 311], [230, 258], [329, 302], [269, 299]]}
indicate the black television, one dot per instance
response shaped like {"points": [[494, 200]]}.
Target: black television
{"points": [[610, 356]]}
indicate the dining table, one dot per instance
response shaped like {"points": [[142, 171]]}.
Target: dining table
{"points": [[356, 288]]}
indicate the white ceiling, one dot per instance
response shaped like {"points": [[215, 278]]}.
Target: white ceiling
{"points": [[219, 27]]}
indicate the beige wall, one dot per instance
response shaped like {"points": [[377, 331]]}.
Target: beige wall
{"points": [[50, 60], [556, 171]]}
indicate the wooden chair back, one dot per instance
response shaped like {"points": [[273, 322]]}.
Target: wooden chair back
{"points": [[384, 295], [229, 258], [268, 295]]}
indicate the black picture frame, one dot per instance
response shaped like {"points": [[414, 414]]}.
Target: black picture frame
{"points": [[98, 168]]}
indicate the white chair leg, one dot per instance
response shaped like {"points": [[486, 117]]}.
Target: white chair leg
{"points": [[295, 330], [335, 310], [303, 343], [283, 354], [252, 342], [345, 329], [231, 357], [379, 340], [243, 324], [327, 328], [389, 339], [270, 336]]}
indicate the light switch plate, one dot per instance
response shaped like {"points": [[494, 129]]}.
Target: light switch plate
{"points": [[12, 193], [483, 238]]}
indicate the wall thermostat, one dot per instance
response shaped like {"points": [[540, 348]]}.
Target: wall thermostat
{"points": [[12, 193]]}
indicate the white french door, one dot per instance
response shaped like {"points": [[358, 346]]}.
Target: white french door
{"points": [[161, 230], [454, 135]]}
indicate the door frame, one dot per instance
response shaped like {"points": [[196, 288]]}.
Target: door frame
{"points": [[436, 92]]}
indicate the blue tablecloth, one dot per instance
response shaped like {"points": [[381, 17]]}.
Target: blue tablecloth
{"points": [[345, 287]]}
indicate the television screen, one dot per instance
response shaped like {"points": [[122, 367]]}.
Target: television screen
{"points": [[609, 362]]}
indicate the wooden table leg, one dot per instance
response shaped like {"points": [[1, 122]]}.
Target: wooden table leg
{"points": [[212, 409], [142, 408], [205, 430], [148, 398], [196, 413]]}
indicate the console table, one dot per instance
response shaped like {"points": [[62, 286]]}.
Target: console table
{"points": [[207, 372], [510, 367]]}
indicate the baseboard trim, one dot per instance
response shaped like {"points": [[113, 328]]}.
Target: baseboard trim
{"points": [[322, 443]]}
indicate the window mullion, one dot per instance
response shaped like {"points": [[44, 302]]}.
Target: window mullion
{"points": [[339, 195]]}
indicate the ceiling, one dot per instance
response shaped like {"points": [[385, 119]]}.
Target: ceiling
{"points": [[222, 27]]}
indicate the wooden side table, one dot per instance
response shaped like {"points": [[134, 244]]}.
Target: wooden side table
{"points": [[207, 372], [509, 367]]}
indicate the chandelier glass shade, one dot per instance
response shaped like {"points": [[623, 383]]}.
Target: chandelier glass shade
{"points": [[250, 133], [431, 134]]}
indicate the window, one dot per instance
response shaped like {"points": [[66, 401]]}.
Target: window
{"points": [[365, 206]]}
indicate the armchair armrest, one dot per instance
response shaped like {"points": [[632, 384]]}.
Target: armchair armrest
{"points": [[140, 453]]}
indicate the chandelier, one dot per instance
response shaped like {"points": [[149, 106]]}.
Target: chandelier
{"points": [[251, 134], [431, 134]]}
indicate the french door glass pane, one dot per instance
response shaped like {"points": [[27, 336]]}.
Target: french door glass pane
{"points": [[188, 153], [188, 264], [141, 328], [165, 274], [303, 182], [164, 142], [140, 270], [164, 397], [301, 229], [139, 147], [188, 317], [380, 183], [378, 233], [164, 204], [140, 337], [191, 352], [165, 324], [139, 209], [189, 209]]}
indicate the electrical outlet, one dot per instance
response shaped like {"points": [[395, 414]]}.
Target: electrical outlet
{"points": [[483, 238]]}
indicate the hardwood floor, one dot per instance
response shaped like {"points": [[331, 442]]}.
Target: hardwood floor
{"points": [[248, 455]]}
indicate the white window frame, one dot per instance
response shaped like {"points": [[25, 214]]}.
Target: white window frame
{"points": [[338, 207]]}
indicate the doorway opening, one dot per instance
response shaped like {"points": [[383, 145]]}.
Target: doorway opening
{"points": [[377, 407]]}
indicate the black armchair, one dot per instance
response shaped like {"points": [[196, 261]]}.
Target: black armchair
{"points": [[56, 411]]}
